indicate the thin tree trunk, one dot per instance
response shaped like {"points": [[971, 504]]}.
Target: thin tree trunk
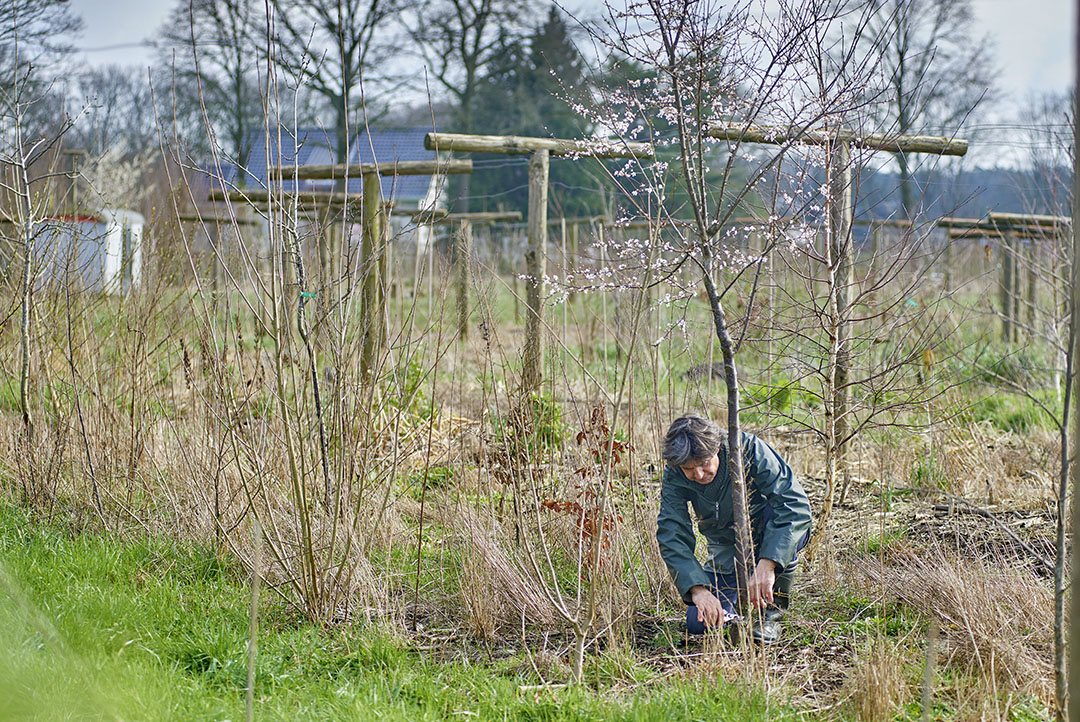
{"points": [[744, 543], [370, 267], [1060, 680], [840, 281], [24, 323], [907, 193], [1032, 285], [1007, 276]]}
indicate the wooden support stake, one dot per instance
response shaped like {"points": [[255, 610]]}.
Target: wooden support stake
{"points": [[439, 166], [518, 145], [326, 259], [290, 290], [565, 273], [369, 269], [948, 258], [532, 374], [462, 257], [573, 256], [1006, 287], [1017, 254], [937, 145], [1032, 283]]}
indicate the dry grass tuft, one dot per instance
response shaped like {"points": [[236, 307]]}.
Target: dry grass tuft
{"points": [[499, 589], [876, 685], [479, 593], [997, 622]]}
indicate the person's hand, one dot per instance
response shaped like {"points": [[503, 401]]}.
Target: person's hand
{"points": [[709, 610], [760, 586]]}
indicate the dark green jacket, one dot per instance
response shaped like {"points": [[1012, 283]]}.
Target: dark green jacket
{"points": [[771, 484]]}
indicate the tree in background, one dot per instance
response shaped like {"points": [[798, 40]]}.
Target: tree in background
{"points": [[35, 40], [528, 90], [340, 50], [41, 31], [460, 43], [118, 111], [211, 46], [936, 71]]}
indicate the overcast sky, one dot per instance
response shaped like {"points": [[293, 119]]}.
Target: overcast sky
{"points": [[1032, 37]]}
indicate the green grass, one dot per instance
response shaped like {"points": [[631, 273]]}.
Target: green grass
{"points": [[148, 629]]}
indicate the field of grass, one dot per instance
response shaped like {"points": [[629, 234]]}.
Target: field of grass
{"points": [[427, 525], [95, 628]]}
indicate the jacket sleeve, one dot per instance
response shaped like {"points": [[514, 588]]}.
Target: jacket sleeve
{"points": [[675, 535], [790, 519]]}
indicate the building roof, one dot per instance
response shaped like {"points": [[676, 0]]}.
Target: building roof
{"points": [[317, 146]]}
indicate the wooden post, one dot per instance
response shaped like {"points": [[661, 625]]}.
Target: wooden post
{"points": [[369, 268], [217, 261], [1005, 245], [326, 257], [572, 261], [947, 261], [382, 278], [462, 257], [838, 143], [532, 373], [290, 290], [601, 231], [540, 149], [1032, 282], [565, 274]]}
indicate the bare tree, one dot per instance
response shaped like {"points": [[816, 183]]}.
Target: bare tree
{"points": [[213, 46], [717, 68], [935, 68], [118, 111], [338, 49], [35, 34], [22, 148], [457, 40]]}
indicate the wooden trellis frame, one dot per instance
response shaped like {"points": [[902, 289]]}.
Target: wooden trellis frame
{"points": [[539, 151], [374, 262], [1007, 229], [838, 143]]}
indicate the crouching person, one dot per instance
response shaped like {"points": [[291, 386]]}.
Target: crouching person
{"points": [[697, 476]]}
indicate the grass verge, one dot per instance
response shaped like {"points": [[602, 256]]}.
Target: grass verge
{"points": [[148, 629]]}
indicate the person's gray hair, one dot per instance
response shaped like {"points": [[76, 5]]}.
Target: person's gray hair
{"points": [[691, 438]]}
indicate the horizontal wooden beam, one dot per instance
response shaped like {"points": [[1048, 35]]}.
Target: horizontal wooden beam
{"points": [[1029, 220], [216, 220], [316, 198], [974, 234], [777, 135], [441, 216], [1012, 222], [975, 223], [420, 216], [485, 217], [520, 145], [578, 219], [406, 167]]}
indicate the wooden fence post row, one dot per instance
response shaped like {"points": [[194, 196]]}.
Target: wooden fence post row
{"points": [[540, 150], [1012, 232], [838, 143]]}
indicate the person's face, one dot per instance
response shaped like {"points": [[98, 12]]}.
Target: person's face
{"points": [[701, 470]]}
